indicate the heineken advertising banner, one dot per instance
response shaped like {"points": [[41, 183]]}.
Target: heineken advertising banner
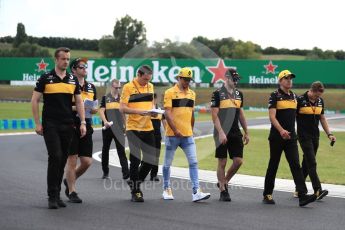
{"points": [[254, 72]]}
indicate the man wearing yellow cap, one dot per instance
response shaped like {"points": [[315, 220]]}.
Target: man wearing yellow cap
{"points": [[282, 113], [179, 103]]}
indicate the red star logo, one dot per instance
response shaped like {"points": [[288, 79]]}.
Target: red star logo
{"points": [[270, 68], [42, 66], [218, 71]]}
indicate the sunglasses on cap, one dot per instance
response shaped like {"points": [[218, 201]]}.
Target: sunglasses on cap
{"points": [[82, 66]]}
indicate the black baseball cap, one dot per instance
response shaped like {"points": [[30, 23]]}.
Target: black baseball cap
{"points": [[76, 62], [145, 69], [231, 72]]}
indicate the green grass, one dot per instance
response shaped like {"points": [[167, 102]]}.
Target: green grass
{"points": [[16, 110], [282, 57], [248, 115], [331, 160]]}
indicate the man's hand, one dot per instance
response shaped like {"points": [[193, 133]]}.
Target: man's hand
{"points": [[246, 138], [285, 134], [107, 124], [222, 138], [177, 133], [82, 130], [39, 129], [153, 114], [331, 137]]}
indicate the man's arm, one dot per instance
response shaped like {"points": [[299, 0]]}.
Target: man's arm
{"points": [[126, 110], [36, 96], [243, 123], [325, 127], [221, 135], [81, 112], [272, 115]]}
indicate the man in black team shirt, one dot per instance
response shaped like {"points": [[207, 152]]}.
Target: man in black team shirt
{"points": [[310, 111], [282, 113], [110, 110], [58, 88], [227, 111], [81, 147]]}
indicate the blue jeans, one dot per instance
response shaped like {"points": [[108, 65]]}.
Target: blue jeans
{"points": [[187, 144]]}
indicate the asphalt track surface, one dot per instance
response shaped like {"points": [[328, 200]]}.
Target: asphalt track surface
{"points": [[106, 203]]}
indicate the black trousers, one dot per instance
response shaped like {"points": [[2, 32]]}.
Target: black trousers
{"points": [[277, 146], [309, 147], [154, 170], [158, 139], [58, 138], [142, 147], [119, 139]]}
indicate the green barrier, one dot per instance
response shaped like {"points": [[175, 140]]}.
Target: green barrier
{"points": [[205, 71]]}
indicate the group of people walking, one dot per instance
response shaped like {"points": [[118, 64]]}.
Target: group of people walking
{"points": [[131, 111]]}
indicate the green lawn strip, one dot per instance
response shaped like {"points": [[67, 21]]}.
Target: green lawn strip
{"points": [[331, 160]]}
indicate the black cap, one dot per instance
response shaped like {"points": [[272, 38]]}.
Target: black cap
{"points": [[231, 72], [76, 62]]}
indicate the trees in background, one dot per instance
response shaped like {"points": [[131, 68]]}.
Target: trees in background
{"points": [[129, 39]]}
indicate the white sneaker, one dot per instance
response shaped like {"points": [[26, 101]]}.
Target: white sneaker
{"points": [[167, 194], [200, 196]]}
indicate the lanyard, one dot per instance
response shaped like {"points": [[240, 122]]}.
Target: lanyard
{"points": [[135, 85]]}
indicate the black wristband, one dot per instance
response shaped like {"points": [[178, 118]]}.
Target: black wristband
{"points": [[330, 134]]}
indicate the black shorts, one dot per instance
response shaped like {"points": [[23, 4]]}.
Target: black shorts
{"points": [[82, 146], [234, 146]]}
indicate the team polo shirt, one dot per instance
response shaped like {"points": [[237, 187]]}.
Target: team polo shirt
{"points": [[138, 97], [112, 106], [182, 107], [87, 91], [308, 116], [57, 96], [286, 106], [229, 109]]}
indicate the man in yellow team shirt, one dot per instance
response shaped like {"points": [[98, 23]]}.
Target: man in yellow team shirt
{"points": [[137, 101], [179, 113]]}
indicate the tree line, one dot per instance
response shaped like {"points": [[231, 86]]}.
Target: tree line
{"points": [[129, 39]]}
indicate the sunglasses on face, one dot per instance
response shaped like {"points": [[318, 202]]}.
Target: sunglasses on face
{"points": [[82, 66], [117, 87], [186, 79]]}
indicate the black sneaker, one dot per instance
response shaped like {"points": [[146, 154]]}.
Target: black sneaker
{"points": [[268, 199], [306, 199], [52, 203], [60, 203], [224, 196], [321, 194], [105, 176], [73, 198], [137, 196], [67, 189], [154, 178]]}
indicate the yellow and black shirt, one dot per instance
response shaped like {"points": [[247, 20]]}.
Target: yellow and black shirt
{"points": [[308, 116], [138, 97], [229, 109], [182, 108], [88, 91], [112, 108], [286, 106], [57, 96]]}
